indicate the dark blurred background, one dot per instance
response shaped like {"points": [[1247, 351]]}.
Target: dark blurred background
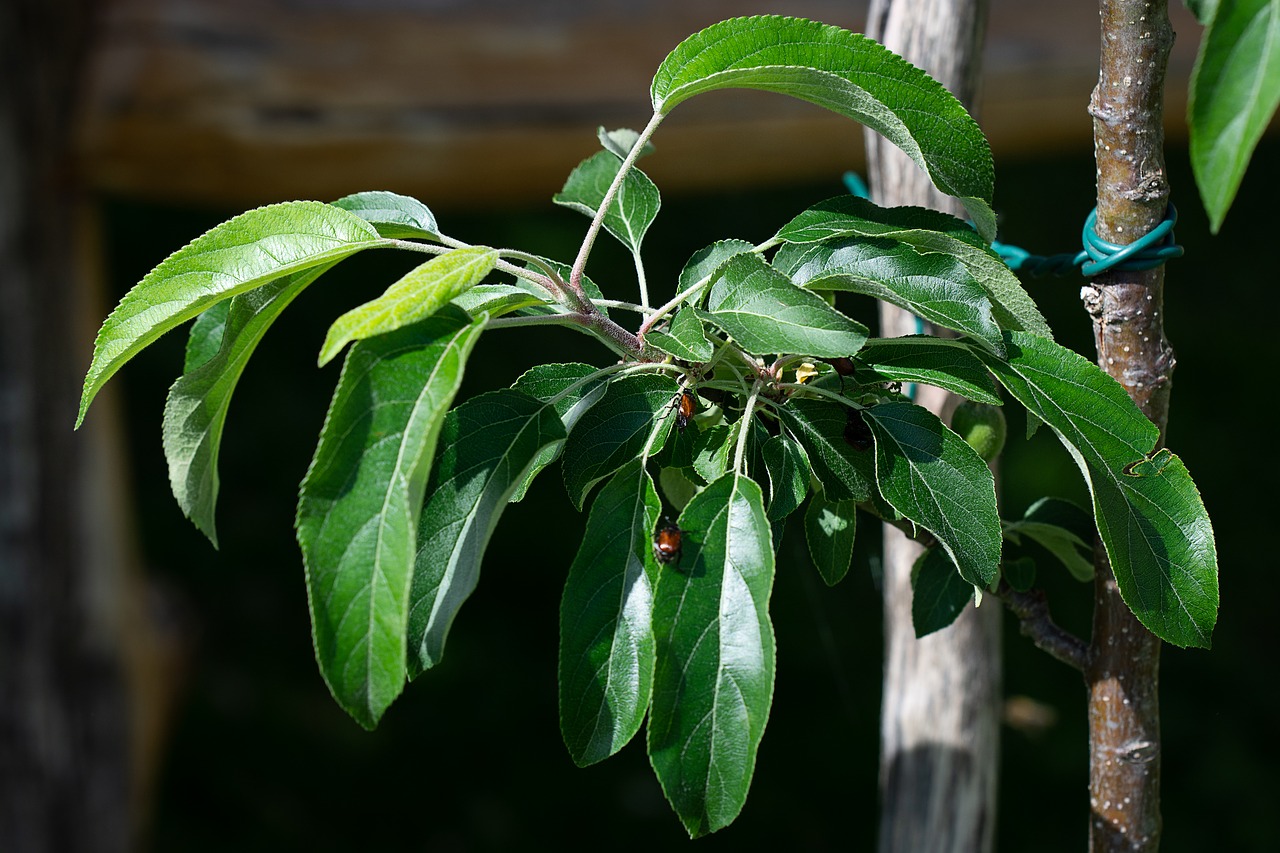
{"points": [[184, 112]]}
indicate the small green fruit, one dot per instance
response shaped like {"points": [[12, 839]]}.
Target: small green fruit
{"points": [[982, 426]]}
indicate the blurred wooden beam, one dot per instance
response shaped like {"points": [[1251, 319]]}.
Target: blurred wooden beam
{"points": [[237, 102]]}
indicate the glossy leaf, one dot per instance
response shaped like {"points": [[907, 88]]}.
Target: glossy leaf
{"points": [[849, 74], [932, 477], [765, 313], [571, 388], [632, 211], [487, 445], [934, 286], [419, 294], [845, 472], [1235, 88], [788, 469], [633, 416], [242, 253], [606, 638], [926, 231], [196, 410], [685, 340], [941, 362], [1149, 514], [394, 215], [830, 528], [713, 684], [359, 503], [938, 594]]}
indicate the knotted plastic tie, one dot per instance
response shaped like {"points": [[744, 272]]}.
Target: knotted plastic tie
{"points": [[1147, 252]]}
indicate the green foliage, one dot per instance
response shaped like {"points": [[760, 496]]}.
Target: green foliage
{"points": [[607, 648], [746, 394], [938, 594], [847, 73], [1062, 529], [713, 682], [487, 447], [415, 297], [1235, 89], [764, 312], [219, 346], [829, 528], [634, 208], [360, 501], [931, 476], [925, 231], [1149, 513], [246, 252]]}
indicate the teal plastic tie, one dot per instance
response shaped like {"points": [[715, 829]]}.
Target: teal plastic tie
{"points": [[1147, 252]]}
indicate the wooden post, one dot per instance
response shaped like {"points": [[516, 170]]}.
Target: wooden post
{"points": [[940, 713]]}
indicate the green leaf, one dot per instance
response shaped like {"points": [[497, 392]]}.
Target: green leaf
{"points": [[788, 469], [934, 286], [419, 294], [940, 362], [196, 410], [205, 338], [1235, 88], [713, 451], [606, 640], [572, 388], [830, 528], [686, 339], [1150, 517], [932, 477], [498, 299], [845, 472], [765, 313], [704, 262], [938, 594], [713, 684], [846, 73], [677, 488], [620, 142], [487, 445], [632, 211], [1062, 529], [633, 417], [242, 253], [926, 231], [392, 214], [359, 503]]}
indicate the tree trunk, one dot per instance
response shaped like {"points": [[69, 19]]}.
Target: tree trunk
{"points": [[1127, 311], [940, 713], [64, 723]]}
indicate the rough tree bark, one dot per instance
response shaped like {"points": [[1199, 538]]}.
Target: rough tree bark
{"points": [[940, 713], [1122, 672]]}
